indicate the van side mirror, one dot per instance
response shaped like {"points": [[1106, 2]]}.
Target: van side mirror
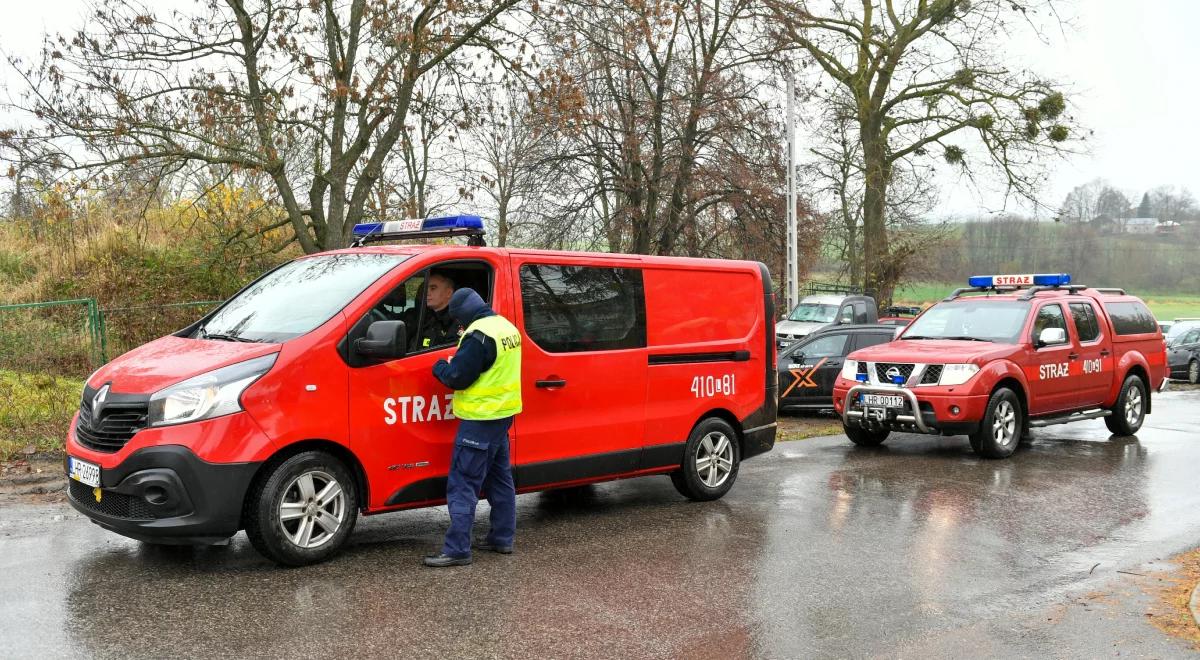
{"points": [[385, 340], [1052, 337]]}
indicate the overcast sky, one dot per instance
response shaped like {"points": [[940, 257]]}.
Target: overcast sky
{"points": [[1130, 66]]}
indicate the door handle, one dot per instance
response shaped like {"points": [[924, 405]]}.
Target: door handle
{"points": [[1104, 353], [1073, 356], [551, 383]]}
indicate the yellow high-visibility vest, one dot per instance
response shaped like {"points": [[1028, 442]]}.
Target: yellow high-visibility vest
{"points": [[496, 394]]}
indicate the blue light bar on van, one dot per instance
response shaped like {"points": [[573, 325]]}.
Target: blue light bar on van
{"points": [[414, 227], [1052, 279]]}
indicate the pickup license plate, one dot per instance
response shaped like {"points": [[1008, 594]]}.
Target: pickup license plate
{"points": [[884, 400], [84, 472]]}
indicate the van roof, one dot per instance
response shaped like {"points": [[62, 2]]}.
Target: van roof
{"points": [[411, 249]]}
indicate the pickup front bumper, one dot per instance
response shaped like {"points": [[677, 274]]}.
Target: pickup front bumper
{"points": [[932, 413]]}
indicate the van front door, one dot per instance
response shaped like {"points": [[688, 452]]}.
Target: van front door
{"points": [[584, 369], [402, 422]]}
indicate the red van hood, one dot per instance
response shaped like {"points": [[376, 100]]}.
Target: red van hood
{"points": [[169, 360], [936, 351]]}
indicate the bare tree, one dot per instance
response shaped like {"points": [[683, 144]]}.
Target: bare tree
{"points": [[314, 94], [927, 78], [659, 105]]}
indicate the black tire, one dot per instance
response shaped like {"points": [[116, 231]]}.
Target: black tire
{"points": [[1130, 410], [279, 540], [1193, 373], [1002, 426], [865, 437], [711, 437]]}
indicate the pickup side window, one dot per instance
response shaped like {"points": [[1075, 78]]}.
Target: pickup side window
{"points": [[1131, 318], [1086, 325], [1049, 316]]}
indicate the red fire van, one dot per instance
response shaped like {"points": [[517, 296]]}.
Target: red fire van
{"points": [[308, 398]]}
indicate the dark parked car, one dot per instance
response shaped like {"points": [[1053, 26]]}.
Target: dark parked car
{"points": [[1183, 355], [808, 368]]}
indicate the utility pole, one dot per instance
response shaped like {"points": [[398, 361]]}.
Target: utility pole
{"points": [[793, 267]]}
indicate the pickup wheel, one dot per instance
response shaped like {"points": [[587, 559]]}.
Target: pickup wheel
{"points": [[1002, 426], [1130, 410], [865, 437], [710, 461]]}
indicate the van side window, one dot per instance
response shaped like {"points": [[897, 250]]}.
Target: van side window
{"points": [[1085, 321], [583, 308], [429, 328]]}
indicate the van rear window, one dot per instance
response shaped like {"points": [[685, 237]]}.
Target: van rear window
{"points": [[1131, 318], [571, 309]]}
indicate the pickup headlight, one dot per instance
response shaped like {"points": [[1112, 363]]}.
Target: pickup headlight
{"points": [[209, 395], [957, 374], [850, 369]]}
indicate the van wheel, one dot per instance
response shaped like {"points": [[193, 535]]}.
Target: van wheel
{"points": [[865, 437], [1130, 410], [302, 510], [1002, 426], [710, 461]]}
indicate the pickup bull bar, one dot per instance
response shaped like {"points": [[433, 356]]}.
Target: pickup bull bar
{"points": [[859, 416]]}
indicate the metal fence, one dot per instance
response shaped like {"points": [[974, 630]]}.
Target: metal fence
{"points": [[73, 337]]}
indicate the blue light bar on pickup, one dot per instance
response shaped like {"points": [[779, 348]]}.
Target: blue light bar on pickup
{"points": [[1045, 279], [413, 228]]}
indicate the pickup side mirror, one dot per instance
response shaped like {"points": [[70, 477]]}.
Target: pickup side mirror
{"points": [[385, 340], [1052, 337]]}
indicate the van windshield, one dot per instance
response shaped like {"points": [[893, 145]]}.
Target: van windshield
{"points": [[813, 313], [979, 320], [297, 297]]}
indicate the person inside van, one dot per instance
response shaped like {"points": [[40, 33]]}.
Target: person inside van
{"points": [[438, 327]]}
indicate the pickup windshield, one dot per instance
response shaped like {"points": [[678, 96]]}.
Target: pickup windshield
{"points": [[296, 298], [977, 320], [813, 313]]}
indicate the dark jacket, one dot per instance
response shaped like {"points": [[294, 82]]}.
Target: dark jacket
{"points": [[477, 352], [439, 327]]}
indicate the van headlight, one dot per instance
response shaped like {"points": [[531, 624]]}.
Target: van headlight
{"points": [[850, 369], [957, 374], [209, 395]]}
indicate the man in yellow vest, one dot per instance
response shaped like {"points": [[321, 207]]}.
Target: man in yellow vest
{"points": [[485, 374]]}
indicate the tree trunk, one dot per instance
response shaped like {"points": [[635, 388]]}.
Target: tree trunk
{"points": [[876, 273]]}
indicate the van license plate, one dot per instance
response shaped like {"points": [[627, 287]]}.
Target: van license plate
{"points": [[84, 472], [887, 401]]}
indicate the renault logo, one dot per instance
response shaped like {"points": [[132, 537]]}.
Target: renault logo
{"points": [[98, 401], [892, 373]]}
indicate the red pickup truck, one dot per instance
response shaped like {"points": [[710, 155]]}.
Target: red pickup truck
{"points": [[1007, 354]]}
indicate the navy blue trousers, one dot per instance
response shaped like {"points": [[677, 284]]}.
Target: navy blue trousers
{"points": [[480, 462]]}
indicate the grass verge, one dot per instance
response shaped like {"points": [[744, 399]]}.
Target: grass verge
{"points": [[35, 410], [793, 427]]}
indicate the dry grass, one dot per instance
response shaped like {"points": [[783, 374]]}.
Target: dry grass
{"points": [[801, 427], [1170, 612], [35, 410]]}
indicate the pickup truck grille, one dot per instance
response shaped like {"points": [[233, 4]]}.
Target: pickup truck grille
{"points": [[933, 374], [882, 368]]}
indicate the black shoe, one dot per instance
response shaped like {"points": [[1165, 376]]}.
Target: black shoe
{"points": [[441, 560], [491, 547]]}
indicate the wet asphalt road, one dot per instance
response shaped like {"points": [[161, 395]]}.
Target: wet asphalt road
{"points": [[917, 549]]}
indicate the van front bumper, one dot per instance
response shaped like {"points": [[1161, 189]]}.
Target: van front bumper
{"points": [[166, 494]]}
